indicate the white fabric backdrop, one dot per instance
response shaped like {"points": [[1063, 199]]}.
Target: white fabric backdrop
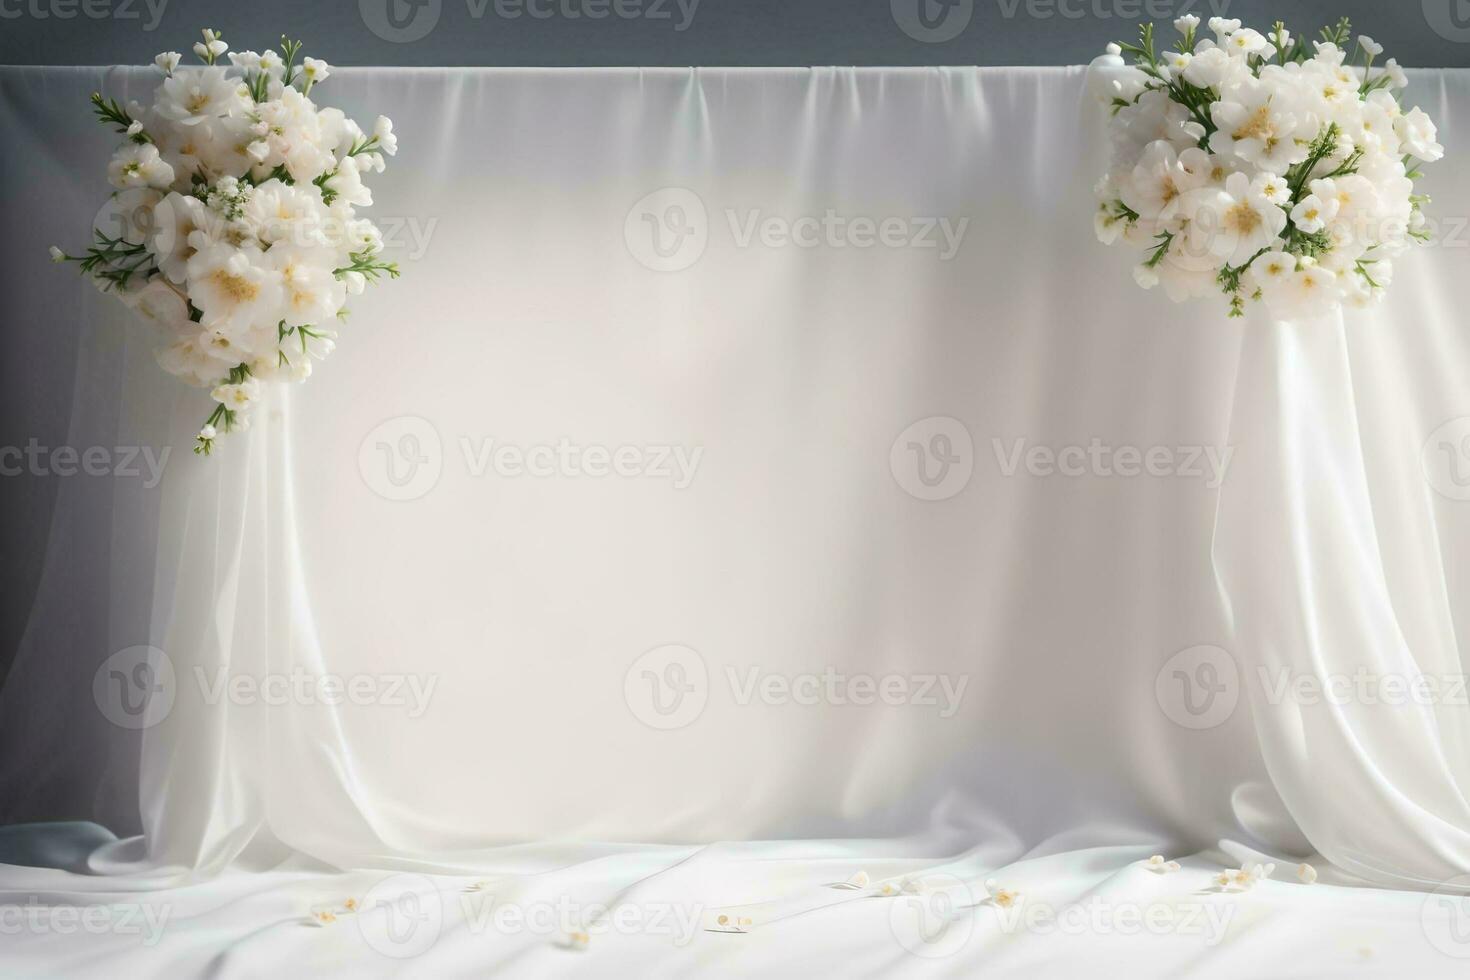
{"points": [[529, 315]]}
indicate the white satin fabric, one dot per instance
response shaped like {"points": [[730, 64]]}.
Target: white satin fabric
{"points": [[778, 398]]}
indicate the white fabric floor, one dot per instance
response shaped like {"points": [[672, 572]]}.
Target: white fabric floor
{"points": [[654, 912]]}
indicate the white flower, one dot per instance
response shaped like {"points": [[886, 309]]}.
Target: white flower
{"points": [[212, 47], [1272, 187], [235, 288], [1158, 865], [1145, 276], [167, 61], [1210, 68], [164, 307], [57, 255], [1178, 61], [207, 433], [1397, 78], [1108, 223], [1244, 878], [237, 397], [271, 63], [1186, 23], [315, 70], [1329, 53], [1372, 47], [346, 183], [245, 60], [1419, 135], [1157, 185], [1223, 27], [1308, 291], [1245, 42], [139, 165], [194, 96], [292, 130], [1356, 197], [383, 133], [1000, 897], [289, 213], [1257, 125], [187, 359], [313, 293], [1312, 213], [1230, 223], [1273, 269], [1306, 873]]}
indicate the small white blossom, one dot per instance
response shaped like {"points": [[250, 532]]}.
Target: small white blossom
{"points": [[383, 133], [315, 70], [1306, 873], [1159, 865], [1243, 878], [1313, 213], [239, 396], [168, 61], [1000, 897]]}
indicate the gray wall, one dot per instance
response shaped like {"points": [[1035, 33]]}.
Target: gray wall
{"points": [[1428, 33]]}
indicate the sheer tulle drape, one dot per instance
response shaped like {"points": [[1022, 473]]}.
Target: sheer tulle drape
{"points": [[1375, 773], [527, 318]]}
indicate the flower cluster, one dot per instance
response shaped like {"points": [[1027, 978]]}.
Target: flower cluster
{"points": [[1243, 878], [1244, 164], [237, 232]]}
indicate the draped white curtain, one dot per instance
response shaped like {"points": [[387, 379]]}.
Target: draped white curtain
{"points": [[776, 397]]}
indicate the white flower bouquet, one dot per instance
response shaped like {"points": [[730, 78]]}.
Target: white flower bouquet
{"points": [[236, 231], [1245, 166]]}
